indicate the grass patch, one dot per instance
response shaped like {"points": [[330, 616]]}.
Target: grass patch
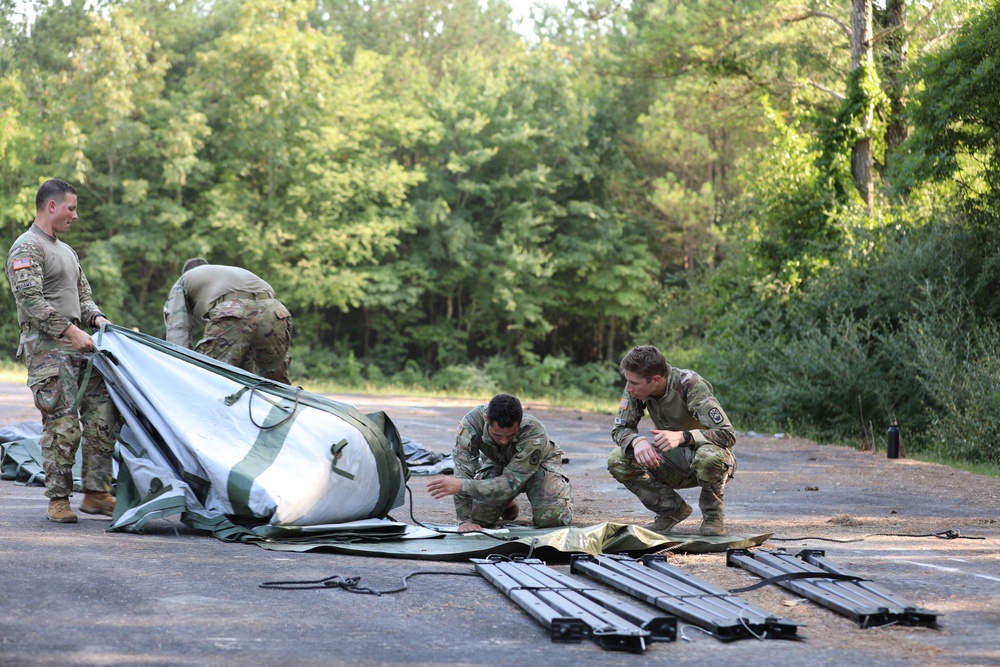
{"points": [[589, 404], [988, 469], [13, 371]]}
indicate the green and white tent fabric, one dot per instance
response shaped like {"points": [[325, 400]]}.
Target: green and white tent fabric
{"points": [[238, 455]]}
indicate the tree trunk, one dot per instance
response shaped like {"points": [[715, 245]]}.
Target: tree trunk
{"points": [[894, 64], [861, 55]]}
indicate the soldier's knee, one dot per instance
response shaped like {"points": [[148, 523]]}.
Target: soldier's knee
{"points": [[711, 464], [553, 516], [555, 523], [65, 429], [621, 467]]}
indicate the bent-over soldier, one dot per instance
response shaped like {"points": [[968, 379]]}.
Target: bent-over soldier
{"points": [[244, 325]]}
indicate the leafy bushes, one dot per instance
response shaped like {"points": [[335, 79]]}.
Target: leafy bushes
{"points": [[894, 336]]}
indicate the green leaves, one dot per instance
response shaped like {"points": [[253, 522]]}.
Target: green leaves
{"points": [[956, 115]]}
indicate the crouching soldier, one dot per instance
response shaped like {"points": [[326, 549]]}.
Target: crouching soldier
{"points": [[691, 447], [500, 452]]}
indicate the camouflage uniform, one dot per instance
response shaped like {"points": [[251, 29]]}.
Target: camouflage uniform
{"points": [[52, 293], [689, 404], [492, 476], [245, 325]]}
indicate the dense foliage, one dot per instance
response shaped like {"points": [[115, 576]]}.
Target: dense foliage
{"points": [[445, 201]]}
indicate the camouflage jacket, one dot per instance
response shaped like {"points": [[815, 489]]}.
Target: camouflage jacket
{"points": [[201, 289], [529, 452], [49, 285], [689, 404]]}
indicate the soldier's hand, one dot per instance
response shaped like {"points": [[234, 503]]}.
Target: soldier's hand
{"points": [[664, 441], [645, 455], [444, 487], [468, 527], [80, 339]]}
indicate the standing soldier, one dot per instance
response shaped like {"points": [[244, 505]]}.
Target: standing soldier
{"points": [[53, 302], [692, 443], [245, 325], [500, 452]]}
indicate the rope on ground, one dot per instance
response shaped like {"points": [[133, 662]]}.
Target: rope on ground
{"points": [[352, 584], [677, 546], [944, 535]]}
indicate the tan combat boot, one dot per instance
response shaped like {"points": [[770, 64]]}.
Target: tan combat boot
{"points": [[712, 525], [97, 502], [713, 510], [665, 522], [59, 511]]}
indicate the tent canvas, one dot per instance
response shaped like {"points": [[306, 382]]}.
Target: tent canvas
{"points": [[236, 454]]}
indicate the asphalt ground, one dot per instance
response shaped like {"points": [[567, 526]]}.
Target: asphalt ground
{"points": [[79, 595]]}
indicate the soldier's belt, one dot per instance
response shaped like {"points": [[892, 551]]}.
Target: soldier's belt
{"points": [[232, 296]]}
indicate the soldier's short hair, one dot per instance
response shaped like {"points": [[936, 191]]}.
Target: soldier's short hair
{"points": [[504, 410], [53, 189], [192, 263], [645, 361]]}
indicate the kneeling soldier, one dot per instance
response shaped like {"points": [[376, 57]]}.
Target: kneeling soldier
{"points": [[500, 452]]}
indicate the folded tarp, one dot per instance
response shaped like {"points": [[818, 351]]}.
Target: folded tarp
{"points": [[20, 431], [235, 454], [21, 455], [545, 543], [21, 461], [422, 461]]}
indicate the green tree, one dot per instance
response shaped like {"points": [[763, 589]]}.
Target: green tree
{"points": [[956, 120], [306, 188]]}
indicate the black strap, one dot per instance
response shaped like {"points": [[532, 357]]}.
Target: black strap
{"points": [[351, 584], [789, 576]]}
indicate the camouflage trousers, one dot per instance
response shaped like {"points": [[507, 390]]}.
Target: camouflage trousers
{"points": [[54, 376], [708, 466], [251, 334], [548, 491]]}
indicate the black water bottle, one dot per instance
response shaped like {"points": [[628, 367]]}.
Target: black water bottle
{"points": [[893, 450]]}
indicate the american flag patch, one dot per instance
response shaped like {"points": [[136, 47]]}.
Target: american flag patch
{"points": [[22, 263], [623, 404], [461, 427]]}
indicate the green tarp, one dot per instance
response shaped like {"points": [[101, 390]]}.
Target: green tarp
{"points": [[545, 543]]}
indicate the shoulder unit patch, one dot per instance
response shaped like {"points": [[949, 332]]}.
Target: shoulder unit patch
{"points": [[716, 416]]}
